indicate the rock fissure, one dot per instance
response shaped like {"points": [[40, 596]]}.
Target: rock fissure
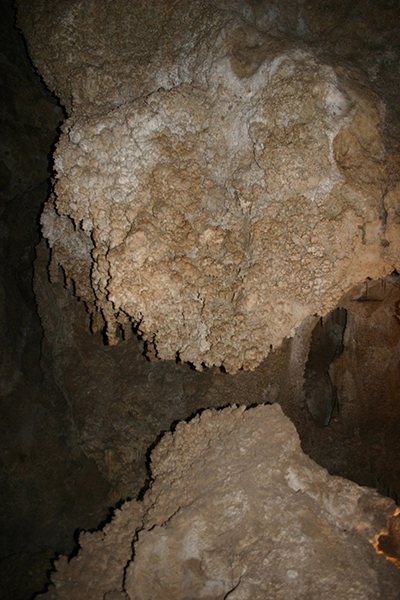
{"points": [[228, 594]]}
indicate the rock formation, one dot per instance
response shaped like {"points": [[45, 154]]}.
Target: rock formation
{"points": [[225, 169], [236, 510], [214, 184]]}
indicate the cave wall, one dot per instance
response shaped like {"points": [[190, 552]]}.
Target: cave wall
{"points": [[44, 475], [80, 415], [121, 401], [204, 243]]}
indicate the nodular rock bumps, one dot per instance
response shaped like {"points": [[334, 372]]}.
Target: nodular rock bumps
{"points": [[226, 170], [236, 510], [218, 179]]}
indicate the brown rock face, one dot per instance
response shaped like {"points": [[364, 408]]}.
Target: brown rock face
{"points": [[238, 187], [222, 174], [236, 509]]}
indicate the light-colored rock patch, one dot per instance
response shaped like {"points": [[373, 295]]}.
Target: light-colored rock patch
{"points": [[237, 510]]}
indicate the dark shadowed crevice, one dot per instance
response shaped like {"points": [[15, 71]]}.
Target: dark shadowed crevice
{"points": [[326, 345]]}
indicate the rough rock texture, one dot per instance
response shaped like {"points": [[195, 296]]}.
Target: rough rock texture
{"points": [[236, 510], [214, 184], [388, 542], [95, 408], [120, 402]]}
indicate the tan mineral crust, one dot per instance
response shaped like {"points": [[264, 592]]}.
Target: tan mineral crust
{"points": [[214, 185], [236, 510]]}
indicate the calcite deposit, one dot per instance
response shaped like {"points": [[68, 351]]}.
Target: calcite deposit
{"points": [[236, 510], [214, 184]]}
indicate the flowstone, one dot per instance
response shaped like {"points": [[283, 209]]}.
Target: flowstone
{"points": [[236, 187], [236, 510]]}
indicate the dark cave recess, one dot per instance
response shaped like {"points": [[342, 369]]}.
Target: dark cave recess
{"points": [[325, 346]]}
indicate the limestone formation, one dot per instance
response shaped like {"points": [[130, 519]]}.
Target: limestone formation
{"points": [[236, 510], [85, 418], [214, 185]]}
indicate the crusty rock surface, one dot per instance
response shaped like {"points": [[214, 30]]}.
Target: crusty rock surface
{"points": [[120, 402], [236, 510], [230, 186], [98, 570]]}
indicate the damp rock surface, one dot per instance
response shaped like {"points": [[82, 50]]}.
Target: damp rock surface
{"points": [[236, 510], [213, 187]]}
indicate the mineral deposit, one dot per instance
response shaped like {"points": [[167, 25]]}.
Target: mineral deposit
{"points": [[214, 184], [236, 510]]}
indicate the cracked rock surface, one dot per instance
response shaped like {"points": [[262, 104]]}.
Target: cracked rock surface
{"points": [[236, 510], [215, 183]]}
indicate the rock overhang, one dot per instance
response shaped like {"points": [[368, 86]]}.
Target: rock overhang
{"points": [[219, 211]]}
